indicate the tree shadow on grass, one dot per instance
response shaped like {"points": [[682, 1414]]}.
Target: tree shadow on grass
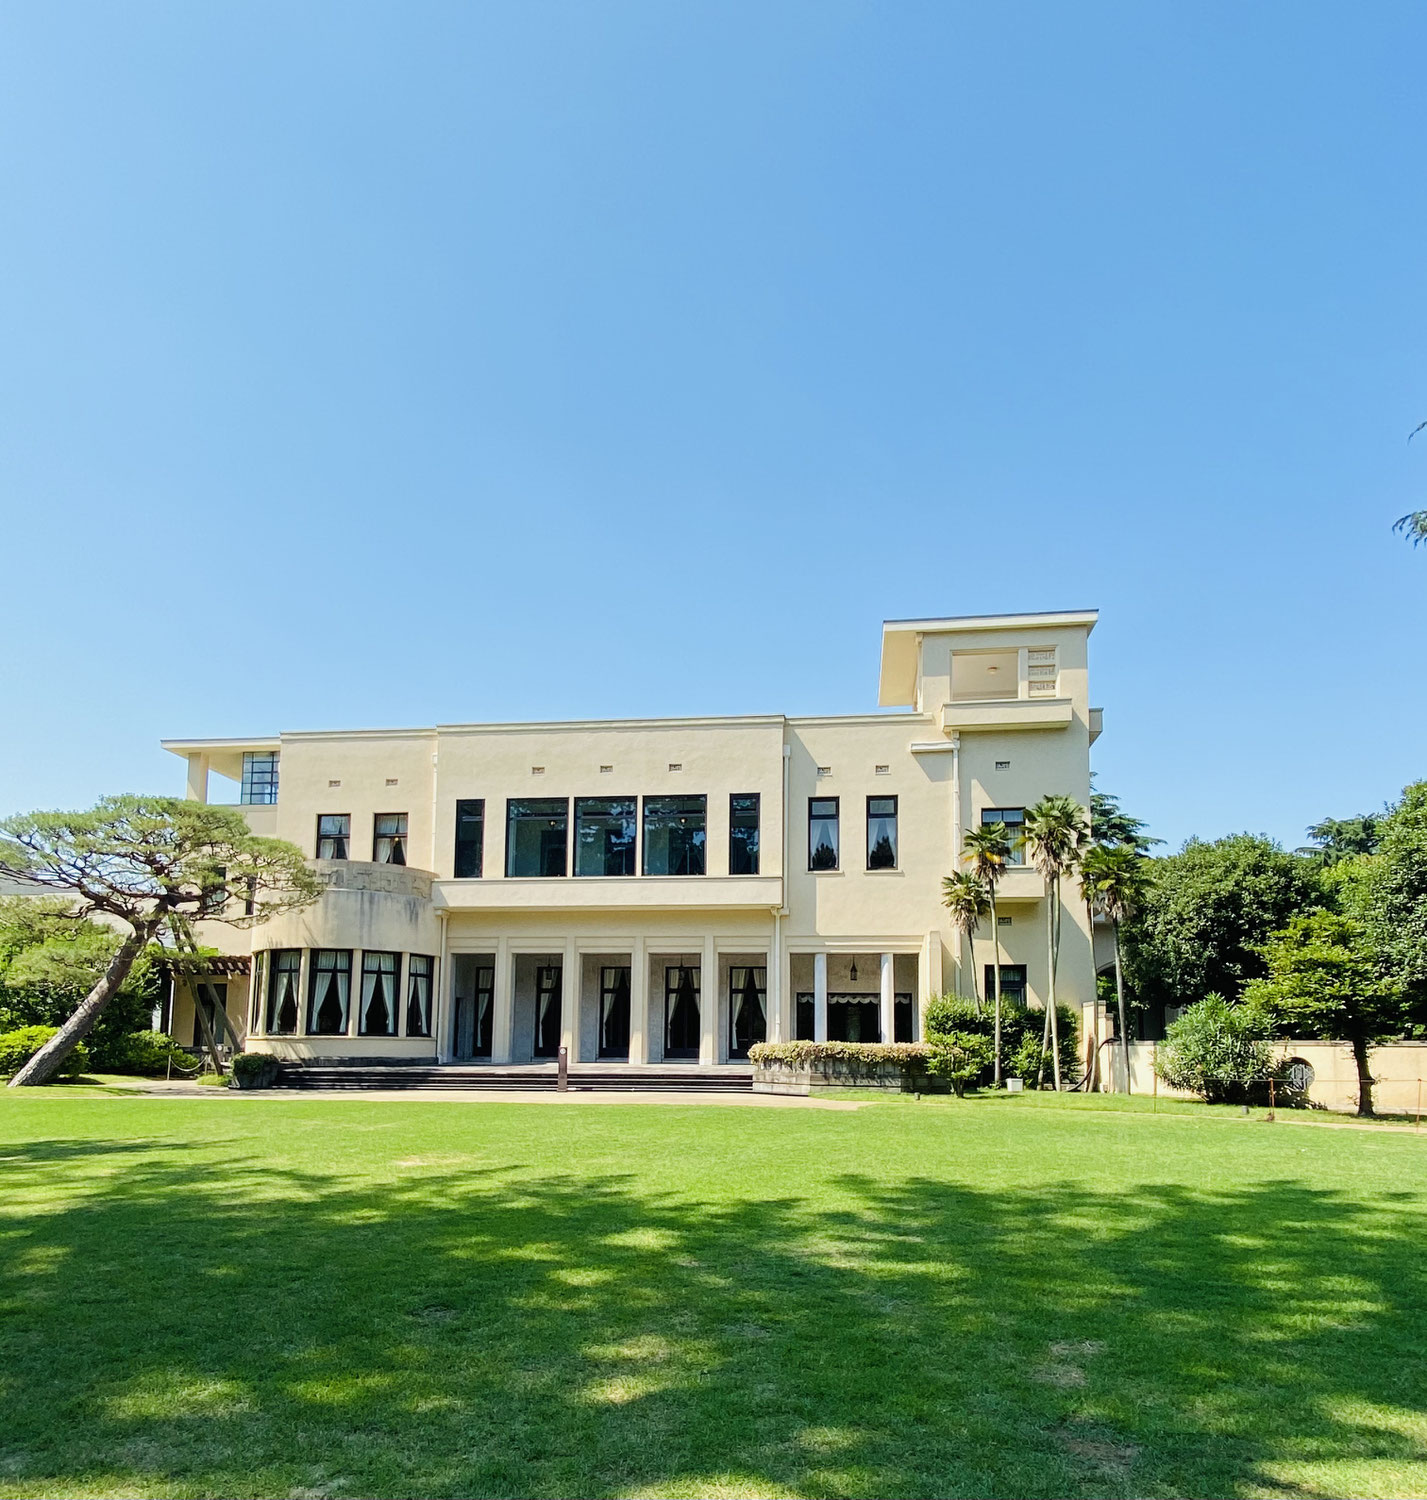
{"points": [[235, 1327]]}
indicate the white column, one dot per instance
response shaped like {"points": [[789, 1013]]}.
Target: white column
{"points": [[638, 1002], [820, 997], [776, 988], [502, 1003], [708, 1004], [888, 1006], [441, 994], [571, 983], [197, 778]]}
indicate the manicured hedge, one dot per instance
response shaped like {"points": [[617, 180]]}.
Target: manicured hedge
{"points": [[18, 1047]]}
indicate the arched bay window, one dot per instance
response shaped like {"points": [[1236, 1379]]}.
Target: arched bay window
{"points": [[284, 966], [377, 1016], [329, 991]]}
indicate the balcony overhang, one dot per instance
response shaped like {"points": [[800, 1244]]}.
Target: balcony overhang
{"points": [[1008, 713], [1020, 883], [612, 893], [223, 756]]}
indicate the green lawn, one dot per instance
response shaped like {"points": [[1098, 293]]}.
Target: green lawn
{"points": [[302, 1297]]}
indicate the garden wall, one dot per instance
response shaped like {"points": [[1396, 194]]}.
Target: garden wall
{"points": [[1400, 1069]]}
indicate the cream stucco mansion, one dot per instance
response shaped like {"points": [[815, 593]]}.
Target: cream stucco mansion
{"points": [[662, 890]]}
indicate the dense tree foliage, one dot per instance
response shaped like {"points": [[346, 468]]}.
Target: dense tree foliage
{"points": [[1324, 980], [1206, 911], [1218, 1051]]}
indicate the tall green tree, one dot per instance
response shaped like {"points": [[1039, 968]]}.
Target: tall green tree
{"points": [[1386, 894], [147, 862], [1206, 911], [988, 850], [1113, 878], [1324, 980], [964, 895], [1111, 825], [1336, 839], [1056, 833]]}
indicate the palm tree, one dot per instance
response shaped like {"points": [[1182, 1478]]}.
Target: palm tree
{"points": [[1114, 883], [988, 850], [1056, 831], [964, 896]]}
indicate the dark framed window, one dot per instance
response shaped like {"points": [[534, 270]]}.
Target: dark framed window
{"points": [[881, 833], [210, 996], [470, 838], [605, 829], [822, 833], [804, 1017], [420, 968], [284, 966], [548, 990], [614, 1012], [389, 839], [257, 993], [380, 974], [329, 991], [743, 833], [1015, 820], [536, 832], [681, 1010], [472, 1006], [747, 1008], [1013, 983], [259, 784], [674, 835], [334, 835]]}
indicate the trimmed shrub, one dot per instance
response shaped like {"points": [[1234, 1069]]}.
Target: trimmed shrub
{"points": [[254, 1070], [18, 1047], [961, 1059], [1021, 1033], [1218, 1051]]}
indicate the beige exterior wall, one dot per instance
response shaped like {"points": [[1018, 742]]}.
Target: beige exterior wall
{"points": [[945, 759]]}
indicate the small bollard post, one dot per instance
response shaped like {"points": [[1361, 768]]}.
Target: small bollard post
{"points": [[563, 1066], [1270, 1098]]}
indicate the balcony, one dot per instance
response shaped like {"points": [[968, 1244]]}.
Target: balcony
{"points": [[1021, 883], [1007, 713], [612, 893]]}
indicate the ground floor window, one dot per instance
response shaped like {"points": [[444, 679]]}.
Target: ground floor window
{"points": [[855, 1018], [329, 991], [284, 966], [473, 1009], [681, 1011], [747, 1008], [207, 998], [378, 1013], [1013, 983], [418, 994], [614, 1011], [547, 1010]]}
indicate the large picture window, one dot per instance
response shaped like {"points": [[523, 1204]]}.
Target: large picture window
{"points": [[329, 988], [379, 978], [605, 829], [881, 833], [419, 968], [674, 835], [284, 966], [535, 835], [822, 833], [259, 784], [743, 833], [334, 835], [389, 839], [1015, 820], [470, 838]]}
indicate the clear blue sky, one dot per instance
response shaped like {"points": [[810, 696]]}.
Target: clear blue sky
{"points": [[378, 365]]}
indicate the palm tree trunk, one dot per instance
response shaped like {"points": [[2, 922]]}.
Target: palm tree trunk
{"points": [[1120, 1002], [1054, 955], [1365, 1078], [50, 1058], [996, 971]]}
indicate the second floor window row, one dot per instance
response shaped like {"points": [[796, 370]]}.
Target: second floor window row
{"points": [[334, 837]]}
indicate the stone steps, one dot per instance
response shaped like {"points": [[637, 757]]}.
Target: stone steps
{"points": [[590, 1077]]}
